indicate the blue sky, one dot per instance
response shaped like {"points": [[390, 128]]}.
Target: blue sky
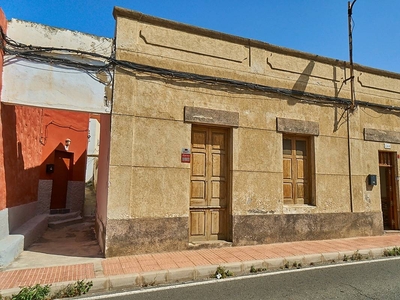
{"points": [[315, 26]]}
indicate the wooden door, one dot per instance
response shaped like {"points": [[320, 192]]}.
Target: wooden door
{"points": [[209, 199], [62, 167], [387, 180]]}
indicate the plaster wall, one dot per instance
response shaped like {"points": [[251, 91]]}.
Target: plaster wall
{"points": [[53, 86], [3, 24], [56, 127], [93, 151], [148, 182], [4, 229], [103, 181]]}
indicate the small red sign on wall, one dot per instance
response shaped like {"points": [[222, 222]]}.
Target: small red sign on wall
{"points": [[185, 155]]}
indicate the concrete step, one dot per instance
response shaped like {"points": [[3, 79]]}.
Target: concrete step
{"points": [[66, 222], [209, 244], [67, 216]]}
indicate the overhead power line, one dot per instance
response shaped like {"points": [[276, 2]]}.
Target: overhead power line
{"points": [[94, 62]]}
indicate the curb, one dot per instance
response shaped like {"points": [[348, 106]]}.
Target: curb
{"points": [[152, 278]]}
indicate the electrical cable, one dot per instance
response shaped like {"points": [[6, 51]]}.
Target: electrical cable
{"points": [[51, 55]]}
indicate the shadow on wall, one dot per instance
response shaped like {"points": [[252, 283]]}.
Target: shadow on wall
{"points": [[301, 84], [21, 152]]}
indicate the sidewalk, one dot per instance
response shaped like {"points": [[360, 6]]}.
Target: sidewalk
{"points": [[151, 269]]}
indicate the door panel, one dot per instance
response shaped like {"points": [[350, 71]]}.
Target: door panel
{"points": [[197, 223], [209, 203], [198, 190], [199, 164]]}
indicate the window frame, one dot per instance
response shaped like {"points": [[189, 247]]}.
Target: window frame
{"points": [[308, 179]]}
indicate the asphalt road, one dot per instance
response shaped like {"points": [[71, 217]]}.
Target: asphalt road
{"points": [[375, 279]]}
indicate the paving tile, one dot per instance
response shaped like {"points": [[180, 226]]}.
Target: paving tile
{"points": [[185, 264], [153, 267], [197, 259], [135, 264]]}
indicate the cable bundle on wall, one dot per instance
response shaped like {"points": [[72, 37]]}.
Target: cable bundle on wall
{"points": [[78, 60]]}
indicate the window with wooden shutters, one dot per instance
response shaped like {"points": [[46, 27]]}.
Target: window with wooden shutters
{"points": [[296, 170]]}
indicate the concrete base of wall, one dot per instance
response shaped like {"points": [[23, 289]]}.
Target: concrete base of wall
{"points": [[100, 229], [149, 235], [152, 235], [10, 248], [10, 245], [44, 196], [4, 230], [75, 195], [265, 229], [33, 229], [19, 215]]}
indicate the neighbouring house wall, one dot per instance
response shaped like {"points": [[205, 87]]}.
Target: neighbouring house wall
{"points": [[19, 153], [20, 157], [22, 153], [73, 91], [3, 24], [57, 127], [33, 138], [4, 230], [102, 180], [60, 87]]}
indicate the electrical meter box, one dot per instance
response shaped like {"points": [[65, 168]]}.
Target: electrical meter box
{"points": [[371, 179]]}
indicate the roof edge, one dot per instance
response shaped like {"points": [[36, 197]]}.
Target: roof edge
{"points": [[135, 15]]}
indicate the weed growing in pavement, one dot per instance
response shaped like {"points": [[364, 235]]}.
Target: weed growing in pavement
{"points": [[388, 252], [38, 292], [222, 273], [296, 265], [256, 270], [286, 265], [355, 256], [72, 290]]}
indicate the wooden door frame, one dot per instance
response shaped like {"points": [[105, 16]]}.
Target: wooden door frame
{"points": [[229, 154], [392, 168]]}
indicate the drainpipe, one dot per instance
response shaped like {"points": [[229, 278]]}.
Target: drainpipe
{"points": [[349, 159]]}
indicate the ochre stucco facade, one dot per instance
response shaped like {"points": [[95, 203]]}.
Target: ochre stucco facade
{"points": [[264, 97]]}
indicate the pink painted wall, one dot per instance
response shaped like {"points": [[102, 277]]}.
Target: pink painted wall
{"points": [[20, 151], [102, 180], [3, 24], [56, 127], [28, 138]]}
